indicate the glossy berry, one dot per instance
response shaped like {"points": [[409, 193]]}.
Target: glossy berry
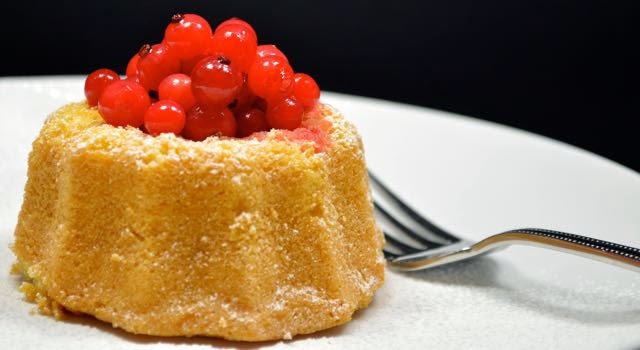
{"points": [[250, 121], [124, 103], [96, 82], [190, 63], [177, 87], [234, 42], [237, 21], [270, 50], [285, 114], [132, 67], [203, 122], [305, 90], [155, 63], [198, 83], [244, 99], [164, 116], [270, 77], [215, 82], [188, 35]]}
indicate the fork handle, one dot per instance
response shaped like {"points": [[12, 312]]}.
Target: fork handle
{"points": [[612, 253]]}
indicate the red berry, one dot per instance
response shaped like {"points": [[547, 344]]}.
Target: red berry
{"points": [[132, 67], [305, 90], [164, 116], [124, 103], [260, 104], [270, 77], [234, 42], [96, 82], [203, 122], [215, 82], [177, 87], [244, 99], [189, 64], [251, 121], [188, 35], [155, 63], [270, 50], [237, 21], [285, 114]]}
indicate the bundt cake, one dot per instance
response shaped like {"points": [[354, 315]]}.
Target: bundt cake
{"points": [[254, 238]]}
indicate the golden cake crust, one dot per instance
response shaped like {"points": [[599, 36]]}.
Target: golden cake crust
{"points": [[240, 239]]}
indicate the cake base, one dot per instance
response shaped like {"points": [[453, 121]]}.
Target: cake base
{"points": [[241, 239]]}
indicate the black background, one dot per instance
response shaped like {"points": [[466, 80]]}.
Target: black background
{"points": [[564, 69]]}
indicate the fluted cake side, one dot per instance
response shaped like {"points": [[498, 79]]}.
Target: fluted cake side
{"points": [[243, 239]]}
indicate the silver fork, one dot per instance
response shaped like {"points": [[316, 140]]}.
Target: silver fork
{"points": [[415, 243]]}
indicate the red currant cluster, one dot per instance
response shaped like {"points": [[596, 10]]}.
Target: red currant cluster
{"points": [[198, 82]]}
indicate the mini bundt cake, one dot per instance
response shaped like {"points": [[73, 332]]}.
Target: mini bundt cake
{"points": [[250, 239]]}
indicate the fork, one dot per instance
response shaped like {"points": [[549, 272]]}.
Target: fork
{"points": [[414, 243]]}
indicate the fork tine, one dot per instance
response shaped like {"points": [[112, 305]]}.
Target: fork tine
{"points": [[419, 219], [409, 232], [389, 255], [402, 247]]}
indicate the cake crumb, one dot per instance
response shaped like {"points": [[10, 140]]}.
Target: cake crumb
{"points": [[45, 305], [117, 257], [15, 269], [29, 290]]}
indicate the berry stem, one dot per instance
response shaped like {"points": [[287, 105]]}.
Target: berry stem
{"points": [[144, 50], [177, 18], [224, 60]]}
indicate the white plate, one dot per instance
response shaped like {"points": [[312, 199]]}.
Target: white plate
{"points": [[472, 177]]}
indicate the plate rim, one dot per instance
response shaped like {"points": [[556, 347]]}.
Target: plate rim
{"points": [[475, 121]]}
